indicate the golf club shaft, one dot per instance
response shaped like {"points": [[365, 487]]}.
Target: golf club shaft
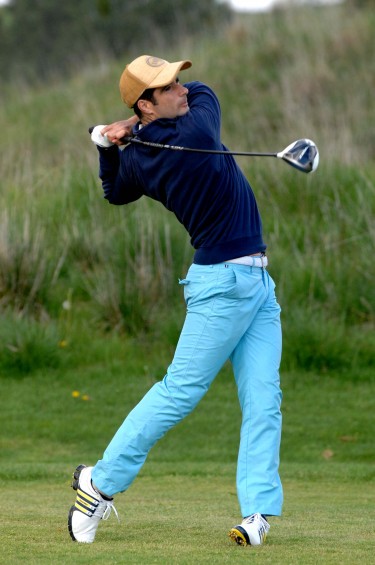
{"points": [[193, 150]]}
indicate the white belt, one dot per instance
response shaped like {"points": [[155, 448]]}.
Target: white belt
{"points": [[251, 261]]}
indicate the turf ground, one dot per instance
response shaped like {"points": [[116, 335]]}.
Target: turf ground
{"points": [[181, 506]]}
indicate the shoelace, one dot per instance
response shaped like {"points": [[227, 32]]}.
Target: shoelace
{"points": [[107, 512], [251, 519]]}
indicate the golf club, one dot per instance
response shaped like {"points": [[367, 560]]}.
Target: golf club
{"points": [[302, 154]]}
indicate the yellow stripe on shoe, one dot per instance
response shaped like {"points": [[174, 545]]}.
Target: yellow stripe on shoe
{"points": [[83, 509], [86, 497]]}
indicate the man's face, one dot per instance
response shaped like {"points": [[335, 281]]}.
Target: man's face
{"points": [[170, 101]]}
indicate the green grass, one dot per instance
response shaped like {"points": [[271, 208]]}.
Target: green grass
{"points": [[119, 264], [183, 520], [183, 502]]}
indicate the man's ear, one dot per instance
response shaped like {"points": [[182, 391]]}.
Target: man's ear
{"points": [[145, 106]]}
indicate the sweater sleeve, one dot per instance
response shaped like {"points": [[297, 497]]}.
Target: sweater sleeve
{"points": [[116, 186], [199, 127]]}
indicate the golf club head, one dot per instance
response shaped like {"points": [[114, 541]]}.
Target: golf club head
{"points": [[302, 154]]}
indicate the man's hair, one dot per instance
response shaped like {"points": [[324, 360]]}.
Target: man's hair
{"points": [[146, 95]]}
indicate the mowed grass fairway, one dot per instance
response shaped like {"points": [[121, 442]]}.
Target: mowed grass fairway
{"points": [[184, 501]]}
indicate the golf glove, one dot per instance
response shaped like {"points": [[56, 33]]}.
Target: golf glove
{"points": [[99, 139]]}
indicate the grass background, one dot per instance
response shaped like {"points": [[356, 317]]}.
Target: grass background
{"points": [[89, 303], [184, 500]]}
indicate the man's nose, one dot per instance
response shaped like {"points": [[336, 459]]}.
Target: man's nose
{"points": [[182, 90]]}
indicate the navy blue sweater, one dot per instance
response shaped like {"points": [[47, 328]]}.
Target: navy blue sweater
{"points": [[208, 193]]}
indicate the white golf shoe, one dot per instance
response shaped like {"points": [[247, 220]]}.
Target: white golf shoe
{"points": [[89, 507], [253, 530]]}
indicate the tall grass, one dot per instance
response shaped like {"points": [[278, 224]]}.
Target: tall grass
{"points": [[298, 72], [27, 269], [279, 76]]}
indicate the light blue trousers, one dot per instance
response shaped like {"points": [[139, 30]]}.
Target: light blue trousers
{"points": [[232, 313]]}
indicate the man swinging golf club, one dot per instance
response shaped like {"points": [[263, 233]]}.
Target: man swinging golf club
{"points": [[232, 311]]}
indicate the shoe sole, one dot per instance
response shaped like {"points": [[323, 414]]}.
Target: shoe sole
{"points": [[76, 475], [238, 537], [74, 485], [70, 528]]}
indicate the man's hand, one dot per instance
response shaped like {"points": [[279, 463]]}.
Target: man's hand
{"points": [[116, 131]]}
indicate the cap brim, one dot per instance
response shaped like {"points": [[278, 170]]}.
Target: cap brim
{"points": [[169, 73]]}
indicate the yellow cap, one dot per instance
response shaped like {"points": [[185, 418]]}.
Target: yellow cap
{"points": [[147, 72]]}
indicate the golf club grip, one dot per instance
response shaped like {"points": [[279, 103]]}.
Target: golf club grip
{"points": [[123, 139]]}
